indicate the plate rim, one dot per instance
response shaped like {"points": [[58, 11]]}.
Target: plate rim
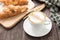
{"points": [[38, 36]]}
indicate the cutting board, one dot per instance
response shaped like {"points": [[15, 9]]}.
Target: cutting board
{"points": [[10, 22]]}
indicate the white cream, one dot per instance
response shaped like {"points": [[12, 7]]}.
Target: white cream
{"points": [[1, 7], [33, 19], [39, 14], [37, 17]]}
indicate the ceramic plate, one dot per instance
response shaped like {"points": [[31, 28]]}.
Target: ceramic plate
{"points": [[38, 31]]}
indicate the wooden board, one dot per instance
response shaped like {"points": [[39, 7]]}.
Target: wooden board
{"points": [[10, 22]]}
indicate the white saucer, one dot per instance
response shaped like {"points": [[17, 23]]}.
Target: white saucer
{"points": [[38, 31]]}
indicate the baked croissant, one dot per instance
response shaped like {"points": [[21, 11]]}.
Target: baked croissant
{"points": [[11, 10], [14, 2], [12, 7]]}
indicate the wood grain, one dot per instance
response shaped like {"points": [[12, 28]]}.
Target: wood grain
{"points": [[10, 22], [17, 33], [12, 34]]}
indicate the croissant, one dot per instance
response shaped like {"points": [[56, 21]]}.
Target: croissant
{"points": [[11, 10], [14, 2]]}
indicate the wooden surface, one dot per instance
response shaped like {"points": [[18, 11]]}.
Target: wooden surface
{"points": [[10, 22], [17, 33]]}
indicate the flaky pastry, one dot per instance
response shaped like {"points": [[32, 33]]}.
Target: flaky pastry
{"points": [[12, 8]]}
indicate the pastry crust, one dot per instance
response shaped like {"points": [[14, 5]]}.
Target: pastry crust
{"points": [[9, 11], [14, 2], [11, 8]]}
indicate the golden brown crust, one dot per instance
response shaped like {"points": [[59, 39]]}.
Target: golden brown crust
{"points": [[13, 7], [9, 11], [22, 2], [14, 2]]}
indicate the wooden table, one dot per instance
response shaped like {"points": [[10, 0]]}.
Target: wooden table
{"points": [[17, 33]]}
